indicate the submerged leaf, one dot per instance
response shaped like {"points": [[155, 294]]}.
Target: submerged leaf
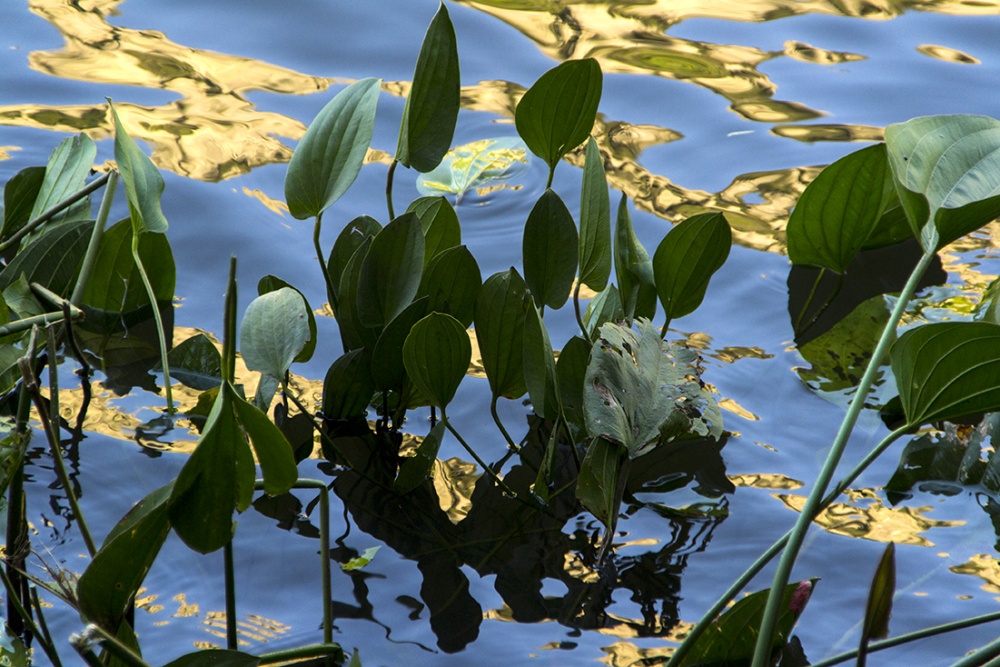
{"points": [[479, 164]]}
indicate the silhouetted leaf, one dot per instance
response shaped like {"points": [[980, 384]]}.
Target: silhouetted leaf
{"points": [[452, 282], [216, 657], [440, 225], [391, 271], [352, 236], [52, 260], [437, 354], [196, 363], [500, 312], [330, 154], [633, 269], [878, 611], [348, 386], [414, 470], [549, 249], [388, 370], [353, 333], [687, 258]]}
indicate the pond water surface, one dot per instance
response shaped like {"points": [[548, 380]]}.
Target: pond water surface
{"points": [[718, 105]]}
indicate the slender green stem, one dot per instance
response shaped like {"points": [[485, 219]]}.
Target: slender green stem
{"points": [[90, 259], [301, 653], [744, 579], [579, 315], [663, 331], [809, 300], [43, 638], [496, 418], [45, 216], [482, 464], [17, 524], [331, 293], [160, 332], [230, 577], [17, 326], [910, 637], [809, 511], [388, 188], [552, 173], [985, 656]]}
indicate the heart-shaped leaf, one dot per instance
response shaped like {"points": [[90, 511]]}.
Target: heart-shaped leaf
{"points": [[436, 355], [142, 180], [391, 271], [549, 249], [500, 312], [330, 154], [558, 112], [947, 370], [595, 221], [947, 171], [687, 258], [840, 210], [271, 283], [432, 105]]}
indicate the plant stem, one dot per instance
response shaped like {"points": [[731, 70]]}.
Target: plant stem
{"points": [[552, 173], [811, 508], [90, 259], [576, 310], [230, 576], [17, 524], [663, 331], [331, 293], [45, 216], [229, 326], [911, 636], [980, 657], [17, 326], [741, 582], [300, 653], [110, 643], [160, 332], [496, 418], [388, 188], [482, 464], [44, 637], [14, 599]]}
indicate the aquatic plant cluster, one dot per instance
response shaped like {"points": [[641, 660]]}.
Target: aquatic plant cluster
{"points": [[408, 299]]}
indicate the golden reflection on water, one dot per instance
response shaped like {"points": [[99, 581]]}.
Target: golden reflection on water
{"points": [[985, 567]]}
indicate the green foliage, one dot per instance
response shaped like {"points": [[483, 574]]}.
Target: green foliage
{"points": [[142, 181], [274, 331], [686, 259], [414, 470], [633, 269], [595, 222], [52, 260], [437, 354], [215, 657], [549, 249], [601, 483], [330, 155], [452, 282], [348, 241], [388, 370], [878, 610], [348, 386], [440, 225], [19, 195], [478, 164], [272, 284], [65, 174], [196, 363], [390, 273], [540, 367], [500, 314]]}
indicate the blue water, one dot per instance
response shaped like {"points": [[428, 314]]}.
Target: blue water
{"points": [[745, 306]]}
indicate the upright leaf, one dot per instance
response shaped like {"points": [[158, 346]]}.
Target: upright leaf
{"points": [[330, 155], [600, 485], [437, 354], [414, 470], [348, 241], [431, 109], [19, 195], [595, 221], [540, 367], [500, 312], [440, 225], [878, 610], [353, 333], [549, 249], [274, 453], [275, 329], [348, 386], [947, 370], [271, 283], [142, 180], [66, 172], [840, 210], [388, 370], [391, 271], [115, 284], [452, 282], [633, 268], [947, 171], [53, 259], [686, 259], [558, 112]]}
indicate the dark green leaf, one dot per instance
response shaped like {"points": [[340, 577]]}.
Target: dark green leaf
{"points": [[388, 370], [274, 330], [540, 367], [603, 308], [633, 269], [116, 284], [687, 258], [19, 196], [595, 221], [601, 485], [440, 225], [500, 312], [66, 173], [414, 470], [839, 211], [196, 363], [571, 372], [348, 386], [348, 241], [274, 453], [947, 370], [272, 284], [878, 611], [330, 154], [52, 260], [437, 354], [549, 249], [108, 585], [557, 113], [353, 333], [391, 271], [947, 171], [431, 109], [216, 657], [452, 282], [142, 180]]}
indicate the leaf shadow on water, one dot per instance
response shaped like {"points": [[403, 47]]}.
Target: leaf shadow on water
{"points": [[522, 547]]}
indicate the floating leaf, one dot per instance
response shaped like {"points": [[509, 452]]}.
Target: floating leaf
{"points": [[440, 224], [142, 180], [557, 113], [348, 241], [275, 329], [840, 210], [391, 271], [687, 258], [452, 282], [348, 386], [432, 105], [947, 370], [437, 354], [500, 312], [414, 470], [271, 283], [633, 268], [595, 221], [479, 164], [549, 249], [330, 154], [360, 561], [947, 171], [540, 367]]}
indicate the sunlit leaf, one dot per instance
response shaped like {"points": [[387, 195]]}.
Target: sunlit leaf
{"points": [[540, 367], [142, 180], [595, 221], [437, 354], [348, 386], [391, 271], [66, 173], [687, 258], [19, 195], [947, 171], [947, 370], [433, 101], [500, 311], [557, 113], [414, 470], [274, 330], [478, 164], [549, 248], [360, 561], [633, 268], [452, 282], [840, 210], [330, 154], [440, 224]]}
